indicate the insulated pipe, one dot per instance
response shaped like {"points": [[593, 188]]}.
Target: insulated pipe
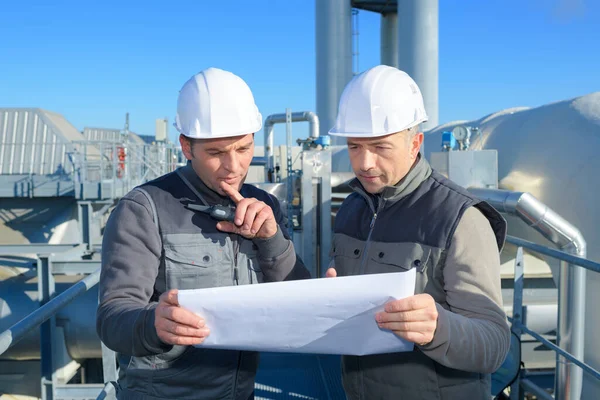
{"points": [[389, 39], [333, 42], [271, 120], [571, 286], [418, 50]]}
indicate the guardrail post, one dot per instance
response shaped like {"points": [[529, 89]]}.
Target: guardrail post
{"points": [[85, 212], [517, 317], [48, 332], [109, 366]]}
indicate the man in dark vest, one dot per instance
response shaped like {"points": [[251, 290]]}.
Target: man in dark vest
{"points": [[404, 215], [161, 238]]}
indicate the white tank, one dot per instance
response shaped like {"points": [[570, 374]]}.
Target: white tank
{"points": [[551, 152]]}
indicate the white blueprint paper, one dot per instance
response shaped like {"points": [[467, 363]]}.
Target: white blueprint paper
{"points": [[324, 316]]}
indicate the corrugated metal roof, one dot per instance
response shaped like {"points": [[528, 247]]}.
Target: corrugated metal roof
{"points": [[36, 141]]}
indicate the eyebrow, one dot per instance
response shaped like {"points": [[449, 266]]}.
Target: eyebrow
{"points": [[377, 143], [220, 150]]}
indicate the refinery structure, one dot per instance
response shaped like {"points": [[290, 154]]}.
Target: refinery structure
{"points": [[537, 166]]}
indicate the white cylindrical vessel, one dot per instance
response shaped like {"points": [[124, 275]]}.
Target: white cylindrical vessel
{"points": [[551, 152]]}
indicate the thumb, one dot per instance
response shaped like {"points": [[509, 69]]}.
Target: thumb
{"points": [[331, 273], [169, 297]]}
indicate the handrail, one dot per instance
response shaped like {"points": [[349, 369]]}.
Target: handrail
{"points": [[571, 287], [559, 255], [18, 331]]}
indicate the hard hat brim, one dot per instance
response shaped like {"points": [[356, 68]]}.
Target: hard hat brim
{"points": [[334, 132], [214, 135]]}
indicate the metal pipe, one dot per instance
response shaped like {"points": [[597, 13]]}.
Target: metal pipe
{"points": [[571, 286], [389, 39], [258, 161], [18, 331], [271, 120], [333, 45], [418, 53]]}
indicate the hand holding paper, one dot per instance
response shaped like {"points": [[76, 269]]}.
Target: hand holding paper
{"points": [[325, 316], [413, 318], [176, 325]]}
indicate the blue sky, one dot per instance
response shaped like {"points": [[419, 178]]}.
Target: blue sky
{"points": [[95, 61]]}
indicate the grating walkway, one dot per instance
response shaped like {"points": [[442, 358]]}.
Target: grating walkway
{"points": [[299, 376]]}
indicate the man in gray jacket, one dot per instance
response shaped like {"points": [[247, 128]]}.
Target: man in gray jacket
{"points": [[404, 215], [162, 237]]}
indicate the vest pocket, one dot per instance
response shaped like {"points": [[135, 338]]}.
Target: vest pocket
{"points": [[194, 266], [397, 257], [347, 254], [248, 257]]}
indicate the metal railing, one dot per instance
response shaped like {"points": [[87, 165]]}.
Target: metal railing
{"points": [[44, 318], [517, 320], [89, 160], [571, 287], [19, 331]]}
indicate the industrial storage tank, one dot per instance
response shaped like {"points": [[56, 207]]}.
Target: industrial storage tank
{"points": [[550, 151]]}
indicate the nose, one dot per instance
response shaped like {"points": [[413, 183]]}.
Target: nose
{"points": [[231, 162], [366, 160]]}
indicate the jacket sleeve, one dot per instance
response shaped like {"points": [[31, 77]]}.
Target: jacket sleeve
{"points": [[472, 331], [277, 256], [131, 250]]}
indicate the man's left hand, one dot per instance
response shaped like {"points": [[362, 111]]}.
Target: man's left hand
{"points": [[413, 318], [253, 218]]}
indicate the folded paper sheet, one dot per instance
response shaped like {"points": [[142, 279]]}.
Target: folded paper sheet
{"points": [[324, 316]]}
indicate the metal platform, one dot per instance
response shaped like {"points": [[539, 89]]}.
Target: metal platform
{"points": [[299, 376]]}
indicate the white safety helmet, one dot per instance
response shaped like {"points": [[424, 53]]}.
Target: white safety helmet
{"points": [[378, 102], [215, 103]]}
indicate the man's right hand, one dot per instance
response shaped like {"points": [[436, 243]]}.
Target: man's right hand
{"points": [[331, 273], [176, 325]]}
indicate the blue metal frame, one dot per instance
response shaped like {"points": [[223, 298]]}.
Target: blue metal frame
{"points": [[517, 321]]}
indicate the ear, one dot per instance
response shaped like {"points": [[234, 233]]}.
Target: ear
{"points": [[415, 145], [186, 147]]}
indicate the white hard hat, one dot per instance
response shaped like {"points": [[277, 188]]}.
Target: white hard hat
{"points": [[216, 103], [380, 101]]}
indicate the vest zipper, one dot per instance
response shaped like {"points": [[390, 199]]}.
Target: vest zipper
{"points": [[235, 377], [236, 250]]}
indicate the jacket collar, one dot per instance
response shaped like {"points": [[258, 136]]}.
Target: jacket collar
{"points": [[207, 194], [420, 171]]}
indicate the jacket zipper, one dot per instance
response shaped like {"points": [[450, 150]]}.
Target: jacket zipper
{"points": [[363, 262], [236, 250], [236, 281]]}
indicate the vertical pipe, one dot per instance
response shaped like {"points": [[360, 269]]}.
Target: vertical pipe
{"points": [[517, 314], [269, 144], [418, 50], [48, 332], [571, 324], [389, 39], [333, 25], [290, 171]]}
